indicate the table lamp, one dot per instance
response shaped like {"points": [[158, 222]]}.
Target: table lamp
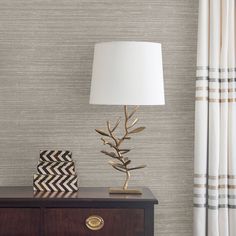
{"points": [[125, 73]]}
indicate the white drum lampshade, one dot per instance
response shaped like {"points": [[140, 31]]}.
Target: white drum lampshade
{"points": [[127, 73]]}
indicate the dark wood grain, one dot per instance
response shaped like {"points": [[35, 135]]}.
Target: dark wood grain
{"points": [[24, 212], [19, 222], [149, 220], [71, 222], [85, 197], [84, 194]]}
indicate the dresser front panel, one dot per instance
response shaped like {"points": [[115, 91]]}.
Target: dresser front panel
{"points": [[19, 221], [71, 222]]}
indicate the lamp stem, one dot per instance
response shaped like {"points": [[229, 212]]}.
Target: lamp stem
{"points": [[126, 132], [126, 180]]}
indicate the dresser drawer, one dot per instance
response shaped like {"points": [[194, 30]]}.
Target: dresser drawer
{"points": [[107, 222], [19, 222]]}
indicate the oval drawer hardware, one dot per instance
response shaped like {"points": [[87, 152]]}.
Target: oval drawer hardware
{"points": [[95, 222]]}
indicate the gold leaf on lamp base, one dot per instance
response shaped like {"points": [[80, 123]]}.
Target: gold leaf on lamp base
{"points": [[124, 191]]}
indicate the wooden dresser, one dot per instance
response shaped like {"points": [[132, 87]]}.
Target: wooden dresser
{"points": [[88, 212]]}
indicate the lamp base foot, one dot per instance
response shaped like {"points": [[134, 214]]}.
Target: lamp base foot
{"points": [[124, 191]]}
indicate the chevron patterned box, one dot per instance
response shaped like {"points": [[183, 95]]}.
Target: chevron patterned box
{"points": [[53, 155], [62, 183], [56, 168], [55, 172]]}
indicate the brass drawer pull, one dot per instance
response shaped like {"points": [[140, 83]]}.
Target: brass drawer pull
{"points": [[95, 222]]}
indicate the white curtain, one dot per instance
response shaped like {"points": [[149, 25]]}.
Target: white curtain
{"points": [[215, 121]]}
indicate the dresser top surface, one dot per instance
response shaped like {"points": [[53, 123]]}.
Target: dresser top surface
{"points": [[84, 194]]}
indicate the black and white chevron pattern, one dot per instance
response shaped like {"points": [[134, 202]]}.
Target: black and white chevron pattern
{"points": [[55, 155], [44, 194], [62, 183], [56, 173], [56, 168]]}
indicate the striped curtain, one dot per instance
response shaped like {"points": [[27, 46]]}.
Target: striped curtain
{"points": [[215, 121]]}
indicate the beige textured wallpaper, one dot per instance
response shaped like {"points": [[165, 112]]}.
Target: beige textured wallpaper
{"points": [[46, 50]]}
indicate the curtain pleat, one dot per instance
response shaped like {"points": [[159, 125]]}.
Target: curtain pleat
{"points": [[215, 121]]}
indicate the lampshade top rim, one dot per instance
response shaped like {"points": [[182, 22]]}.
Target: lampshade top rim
{"points": [[128, 104], [136, 42]]}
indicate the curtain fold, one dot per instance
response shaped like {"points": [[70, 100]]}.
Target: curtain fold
{"points": [[215, 121]]}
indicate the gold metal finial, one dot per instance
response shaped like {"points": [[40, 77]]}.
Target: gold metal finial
{"points": [[121, 162]]}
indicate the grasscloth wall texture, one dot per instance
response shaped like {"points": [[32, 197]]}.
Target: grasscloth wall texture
{"points": [[46, 51]]}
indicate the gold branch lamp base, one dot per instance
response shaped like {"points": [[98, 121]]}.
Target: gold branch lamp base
{"points": [[125, 191], [120, 161]]}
